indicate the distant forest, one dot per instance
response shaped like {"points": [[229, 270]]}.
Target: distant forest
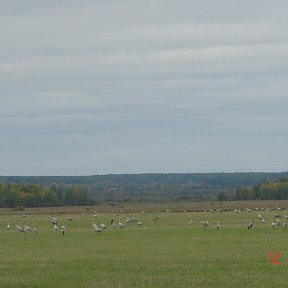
{"points": [[34, 191], [276, 190], [35, 195]]}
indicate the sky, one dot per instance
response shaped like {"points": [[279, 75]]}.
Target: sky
{"points": [[111, 87]]}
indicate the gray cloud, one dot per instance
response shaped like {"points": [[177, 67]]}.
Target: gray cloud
{"points": [[127, 87]]}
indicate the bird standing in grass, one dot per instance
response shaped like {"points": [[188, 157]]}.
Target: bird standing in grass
{"points": [[190, 222], [20, 229], [218, 226], [250, 225], [63, 229], [102, 225], [54, 220], [121, 225], [96, 228], [205, 223], [155, 218], [263, 220], [27, 228]]}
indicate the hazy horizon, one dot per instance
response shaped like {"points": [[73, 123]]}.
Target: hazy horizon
{"points": [[144, 173]]}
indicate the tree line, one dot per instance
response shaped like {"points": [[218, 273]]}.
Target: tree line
{"points": [[148, 179], [275, 190], [35, 195], [86, 190]]}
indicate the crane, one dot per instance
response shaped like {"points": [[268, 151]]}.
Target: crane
{"points": [[96, 228], [102, 225], [121, 225], [20, 229], [205, 223], [250, 225]]}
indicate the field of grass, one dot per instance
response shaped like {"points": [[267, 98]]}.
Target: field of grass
{"points": [[164, 253]]}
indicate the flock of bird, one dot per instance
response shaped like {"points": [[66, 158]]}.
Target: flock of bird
{"points": [[96, 228], [276, 222]]}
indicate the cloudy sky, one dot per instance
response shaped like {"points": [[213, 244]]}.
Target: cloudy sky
{"points": [[98, 87]]}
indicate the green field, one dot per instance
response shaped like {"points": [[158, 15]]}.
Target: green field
{"points": [[164, 253]]}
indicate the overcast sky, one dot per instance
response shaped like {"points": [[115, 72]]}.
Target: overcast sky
{"points": [[99, 87]]}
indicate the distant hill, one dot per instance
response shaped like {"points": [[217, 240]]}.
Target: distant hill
{"points": [[153, 186]]}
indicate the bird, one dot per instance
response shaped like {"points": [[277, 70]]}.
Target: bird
{"points": [[63, 229], [27, 228], [260, 216], [121, 225], [278, 222], [250, 225], [218, 226], [8, 226], [190, 222], [96, 228], [55, 227], [205, 223], [131, 219], [263, 220], [20, 229], [273, 224], [155, 218], [54, 220], [102, 225], [139, 223]]}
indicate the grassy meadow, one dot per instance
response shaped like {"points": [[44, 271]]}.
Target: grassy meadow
{"points": [[163, 253]]}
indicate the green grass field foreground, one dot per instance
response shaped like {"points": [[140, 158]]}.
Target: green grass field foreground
{"points": [[167, 252]]}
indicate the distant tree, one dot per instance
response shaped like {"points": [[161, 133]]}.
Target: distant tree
{"points": [[76, 195], [222, 197]]}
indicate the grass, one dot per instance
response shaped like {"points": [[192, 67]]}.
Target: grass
{"points": [[167, 253]]}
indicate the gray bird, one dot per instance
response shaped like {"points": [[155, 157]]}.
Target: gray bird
{"points": [[96, 228], [20, 229], [205, 223], [250, 225]]}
